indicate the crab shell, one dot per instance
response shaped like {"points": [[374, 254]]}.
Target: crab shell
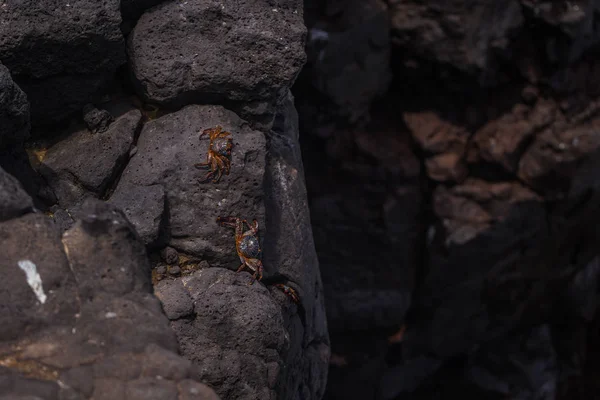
{"points": [[222, 146], [249, 247]]}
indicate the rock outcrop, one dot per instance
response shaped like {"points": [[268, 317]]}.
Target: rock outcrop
{"points": [[79, 320]]}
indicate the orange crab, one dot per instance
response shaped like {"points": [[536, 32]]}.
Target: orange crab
{"points": [[289, 291], [219, 153], [246, 244]]}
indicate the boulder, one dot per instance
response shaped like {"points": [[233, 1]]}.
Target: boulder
{"points": [[61, 53], [167, 150], [244, 56], [85, 164]]}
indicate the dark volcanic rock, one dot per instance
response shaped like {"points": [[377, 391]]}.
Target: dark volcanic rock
{"points": [[144, 206], [14, 201], [76, 44], [168, 148], [14, 111], [235, 336], [38, 289], [35, 36], [96, 120], [289, 246], [84, 163], [84, 324], [349, 55], [243, 55], [250, 342], [449, 32]]}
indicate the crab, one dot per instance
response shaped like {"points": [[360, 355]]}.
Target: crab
{"points": [[219, 153], [246, 244], [290, 291]]}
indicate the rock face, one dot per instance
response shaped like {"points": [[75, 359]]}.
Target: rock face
{"points": [[167, 150], [85, 163], [114, 181], [246, 61], [79, 320], [289, 246], [14, 111], [249, 342], [61, 53]]}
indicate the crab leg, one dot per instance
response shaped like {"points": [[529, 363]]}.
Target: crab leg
{"points": [[206, 164], [253, 227]]}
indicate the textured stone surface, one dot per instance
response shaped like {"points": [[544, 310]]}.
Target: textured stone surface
{"points": [[98, 331], [167, 150], [61, 52], [235, 333], [289, 245], [244, 55], [84, 163], [145, 208]]}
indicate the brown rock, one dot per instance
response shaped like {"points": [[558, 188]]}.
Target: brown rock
{"points": [[443, 142]]}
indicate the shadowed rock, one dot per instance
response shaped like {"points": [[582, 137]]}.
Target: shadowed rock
{"points": [[84, 164], [14, 111], [14, 201], [61, 52]]}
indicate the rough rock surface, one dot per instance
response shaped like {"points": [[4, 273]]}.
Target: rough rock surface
{"points": [[79, 320], [244, 55], [97, 120], [14, 111], [167, 150], [227, 325], [289, 245], [253, 342], [61, 52], [85, 163]]}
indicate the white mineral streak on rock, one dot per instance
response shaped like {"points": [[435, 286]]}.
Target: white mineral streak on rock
{"points": [[34, 280]]}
